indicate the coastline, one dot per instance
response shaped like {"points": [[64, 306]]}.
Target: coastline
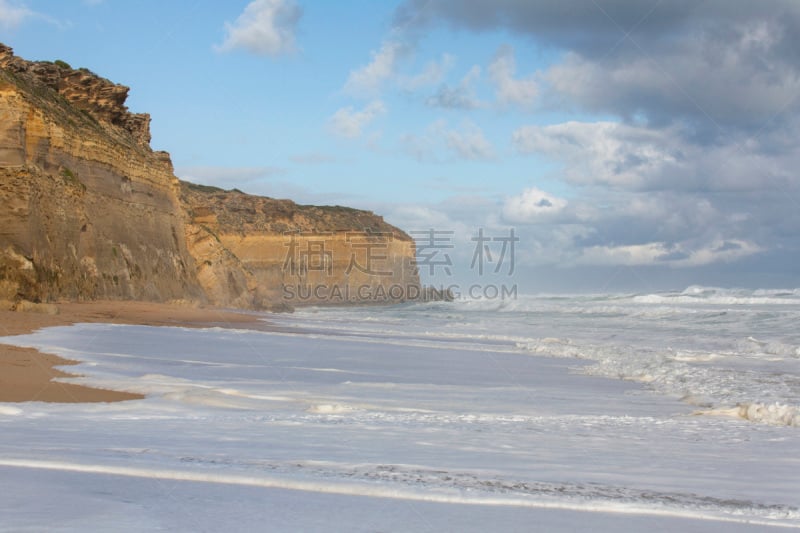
{"points": [[27, 374]]}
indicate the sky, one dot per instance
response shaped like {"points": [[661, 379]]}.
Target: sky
{"points": [[628, 144]]}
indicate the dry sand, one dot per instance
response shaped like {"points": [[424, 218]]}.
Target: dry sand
{"points": [[26, 374]]}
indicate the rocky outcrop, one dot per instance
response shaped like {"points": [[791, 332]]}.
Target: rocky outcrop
{"points": [[98, 97], [259, 252], [91, 211]]}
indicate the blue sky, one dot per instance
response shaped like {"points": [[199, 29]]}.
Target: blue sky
{"points": [[238, 109], [630, 144]]}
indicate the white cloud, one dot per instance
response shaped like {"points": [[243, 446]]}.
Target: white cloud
{"points": [[433, 74], [369, 78], [349, 122], [721, 251], [466, 141], [634, 157], [265, 27], [532, 205], [469, 142], [509, 90], [659, 253], [631, 255], [604, 152], [12, 15]]}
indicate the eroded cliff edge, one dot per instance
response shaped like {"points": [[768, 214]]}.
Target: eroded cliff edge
{"points": [[253, 251], [91, 211]]}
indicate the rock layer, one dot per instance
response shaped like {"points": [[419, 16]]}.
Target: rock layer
{"points": [[91, 211], [256, 251]]}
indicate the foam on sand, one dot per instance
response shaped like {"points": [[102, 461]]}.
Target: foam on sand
{"points": [[774, 414], [776, 516], [330, 409]]}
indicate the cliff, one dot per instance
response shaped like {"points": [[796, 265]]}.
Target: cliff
{"points": [[91, 211], [252, 251]]}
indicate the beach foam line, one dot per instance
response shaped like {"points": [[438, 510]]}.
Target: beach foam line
{"points": [[376, 491], [776, 414]]}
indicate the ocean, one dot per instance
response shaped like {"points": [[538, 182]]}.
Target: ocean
{"points": [[660, 412]]}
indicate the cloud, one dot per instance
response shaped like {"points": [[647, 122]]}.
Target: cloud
{"points": [[605, 152], [655, 253], [460, 97], [664, 232], [715, 87], [432, 74], [350, 123], [717, 65], [469, 142], [688, 155], [367, 80], [651, 196], [265, 27], [466, 141], [509, 90], [532, 205], [664, 229], [624, 156], [592, 28], [12, 14]]}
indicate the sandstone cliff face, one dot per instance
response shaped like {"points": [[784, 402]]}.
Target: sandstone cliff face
{"points": [[265, 252], [90, 211]]}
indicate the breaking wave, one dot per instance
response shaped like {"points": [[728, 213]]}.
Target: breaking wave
{"points": [[694, 377]]}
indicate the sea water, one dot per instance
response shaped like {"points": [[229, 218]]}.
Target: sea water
{"points": [[675, 410], [725, 351]]}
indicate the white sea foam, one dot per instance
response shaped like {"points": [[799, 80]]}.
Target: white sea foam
{"points": [[330, 409], [709, 345], [688, 375], [719, 296], [774, 414], [755, 346], [475, 492], [714, 300]]}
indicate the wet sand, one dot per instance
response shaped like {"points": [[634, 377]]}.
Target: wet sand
{"points": [[26, 374]]}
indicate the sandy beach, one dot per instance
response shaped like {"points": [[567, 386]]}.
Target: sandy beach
{"points": [[27, 374]]}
